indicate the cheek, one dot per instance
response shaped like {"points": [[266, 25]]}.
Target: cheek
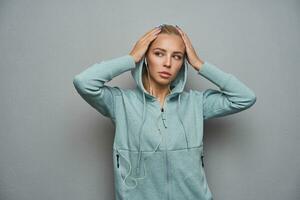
{"points": [[155, 63], [177, 70], [174, 75], [153, 70], [154, 66]]}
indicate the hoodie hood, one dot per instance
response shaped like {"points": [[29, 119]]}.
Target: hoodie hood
{"points": [[177, 87]]}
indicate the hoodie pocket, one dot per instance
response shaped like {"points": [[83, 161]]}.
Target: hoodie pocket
{"points": [[189, 176], [145, 185], [124, 169], [197, 185]]}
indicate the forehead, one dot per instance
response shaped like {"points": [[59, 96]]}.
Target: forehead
{"points": [[169, 42]]}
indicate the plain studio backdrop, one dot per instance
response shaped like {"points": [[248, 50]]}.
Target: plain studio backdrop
{"points": [[53, 145]]}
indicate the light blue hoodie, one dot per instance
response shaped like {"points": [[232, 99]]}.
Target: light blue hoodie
{"points": [[158, 154]]}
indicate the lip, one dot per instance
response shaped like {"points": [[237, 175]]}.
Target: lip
{"points": [[165, 73]]}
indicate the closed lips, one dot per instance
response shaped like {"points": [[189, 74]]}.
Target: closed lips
{"points": [[165, 73]]}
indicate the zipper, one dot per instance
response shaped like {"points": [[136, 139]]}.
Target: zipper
{"points": [[167, 166], [166, 149], [118, 162], [166, 153], [162, 110]]}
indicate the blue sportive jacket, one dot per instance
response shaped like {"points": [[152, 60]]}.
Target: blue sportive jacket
{"points": [[158, 153]]}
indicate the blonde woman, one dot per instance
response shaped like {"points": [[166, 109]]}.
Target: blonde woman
{"points": [[158, 143]]}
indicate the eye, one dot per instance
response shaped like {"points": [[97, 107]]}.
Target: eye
{"points": [[157, 53], [178, 57]]}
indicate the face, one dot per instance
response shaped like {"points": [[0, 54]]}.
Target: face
{"points": [[165, 53]]}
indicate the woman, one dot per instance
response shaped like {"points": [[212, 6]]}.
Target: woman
{"points": [[158, 143]]}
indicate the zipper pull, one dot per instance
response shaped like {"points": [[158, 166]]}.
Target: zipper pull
{"points": [[163, 117], [118, 160], [202, 160]]}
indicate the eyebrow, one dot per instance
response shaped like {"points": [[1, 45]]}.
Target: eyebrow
{"points": [[165, 50]]}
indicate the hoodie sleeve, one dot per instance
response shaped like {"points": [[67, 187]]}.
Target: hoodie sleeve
{"points": [[90, 83], [233, 96]]}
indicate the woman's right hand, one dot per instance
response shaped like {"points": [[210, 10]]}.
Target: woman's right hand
{"points": [[142, 44]]}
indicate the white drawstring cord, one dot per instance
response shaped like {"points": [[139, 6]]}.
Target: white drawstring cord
{"points": [[145, 169]]}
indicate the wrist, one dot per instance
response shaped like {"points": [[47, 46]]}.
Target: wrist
{"points": [[198, 65], [135, 59]]}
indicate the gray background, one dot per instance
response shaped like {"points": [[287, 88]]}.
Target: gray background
{"points": [[53, 145]]}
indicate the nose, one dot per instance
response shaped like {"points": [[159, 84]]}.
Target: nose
{"points": [[167, 62]]}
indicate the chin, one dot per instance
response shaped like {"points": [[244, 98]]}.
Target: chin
{"points": [[162, 81]]}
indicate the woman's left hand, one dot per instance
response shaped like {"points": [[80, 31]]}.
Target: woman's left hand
{"points": [[192, 57]]}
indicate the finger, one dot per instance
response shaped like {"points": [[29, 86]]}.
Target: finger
{"points": [[181, 33], [184, 36], [152, 37], [179, 29], [150, 32]]}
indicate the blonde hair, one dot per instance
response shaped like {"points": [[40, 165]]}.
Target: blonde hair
{"points": [[169, 29]]}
